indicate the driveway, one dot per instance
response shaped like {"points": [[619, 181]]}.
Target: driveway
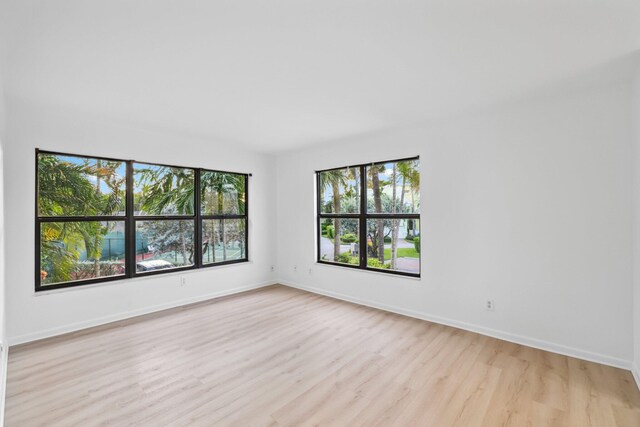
{"points": [[326, 248]]}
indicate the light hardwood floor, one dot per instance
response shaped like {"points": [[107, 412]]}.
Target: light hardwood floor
{"points": [[280, 356]]}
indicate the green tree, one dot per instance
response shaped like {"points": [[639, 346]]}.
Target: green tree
{"points": [[222, 193], [165, 190], [65, 189], [377, 238], [336, 180], [104, 171], [408, 173]]}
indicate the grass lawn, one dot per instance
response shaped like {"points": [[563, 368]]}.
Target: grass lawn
{"points": [[402, 253]]}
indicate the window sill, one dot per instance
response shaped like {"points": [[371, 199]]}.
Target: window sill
{"points": [[130, 280], [362, 270]]}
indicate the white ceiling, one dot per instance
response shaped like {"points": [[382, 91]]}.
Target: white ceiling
{"points": [[279, 74]]}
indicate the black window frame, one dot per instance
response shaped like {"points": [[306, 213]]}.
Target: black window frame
{"points": [[362, 216], [130, 220], [222, 217]]}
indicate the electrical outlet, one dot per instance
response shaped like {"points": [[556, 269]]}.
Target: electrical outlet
{"points": [[183, 280], [311, 271], [295, 268], [273, 268], [489, 305]]}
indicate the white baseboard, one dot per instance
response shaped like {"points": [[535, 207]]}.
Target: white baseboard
{"points": [[506, 336], [59, 330], [636, 373]]}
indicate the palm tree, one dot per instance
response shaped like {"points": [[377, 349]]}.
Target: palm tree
{"points": [[214, 187], [395, 223], [64, 189], [378, 238], [408, 173], [334, 179], [167, 189], [103, 171]]}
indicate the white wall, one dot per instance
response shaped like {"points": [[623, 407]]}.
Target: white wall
{"points": [[529, 205], [3, 335], [636, 224], [31, 316]]}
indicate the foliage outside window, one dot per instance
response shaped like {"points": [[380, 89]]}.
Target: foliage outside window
{"points": [[223, 210], [375, 207], [104, 219]]}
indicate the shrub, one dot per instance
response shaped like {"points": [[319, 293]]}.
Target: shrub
{"points": [[387, 239], [346, 258], [416, 244], [331, 231], [86, 269], [348, 238], [410, 237], [375, 263]]}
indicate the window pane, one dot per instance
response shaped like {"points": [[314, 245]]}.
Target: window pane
{"points": [[343, 250], [394, 244], [164, 244], [222, 193], [80, 186], [394, 187], [340, 191], [223, 240], [163, 190], [72, 251]]}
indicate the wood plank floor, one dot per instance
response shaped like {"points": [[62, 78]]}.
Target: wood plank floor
{"points": [[283, 357]]}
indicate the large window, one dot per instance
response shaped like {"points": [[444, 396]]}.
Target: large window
{"points": [[101, 219], [369, 216]]}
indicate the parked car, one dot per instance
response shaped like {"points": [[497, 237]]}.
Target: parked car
{"points": [[153, 264]]}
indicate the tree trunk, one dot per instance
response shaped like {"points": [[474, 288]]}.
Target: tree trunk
{"points": [[377, 201], [213, 240], [357, 188], [394, 223], [336, 223], [413, 209], [183, 249], [224, 242], [220, 201], [183, 246]]}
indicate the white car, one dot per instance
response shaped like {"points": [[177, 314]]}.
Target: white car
{"points": [[153, 264]]}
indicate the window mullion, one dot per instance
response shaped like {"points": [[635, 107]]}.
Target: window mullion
{"points": [[130, 227], [198, 214], [362, 250]]}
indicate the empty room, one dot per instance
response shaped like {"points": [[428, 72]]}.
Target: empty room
{"points": [[320, 213]]}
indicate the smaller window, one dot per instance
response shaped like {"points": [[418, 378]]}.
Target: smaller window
{"points": [[377, 229], [224, 217]]}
